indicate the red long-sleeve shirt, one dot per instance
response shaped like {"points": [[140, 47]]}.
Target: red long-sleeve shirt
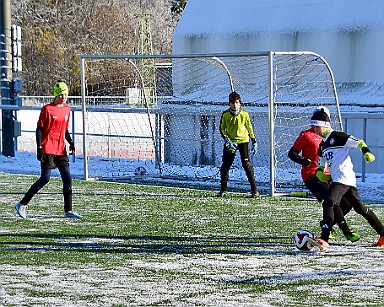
{"points": [[308, 143], [54, 121]]}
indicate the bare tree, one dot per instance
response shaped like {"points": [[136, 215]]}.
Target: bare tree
{"points": [[56, 32]]}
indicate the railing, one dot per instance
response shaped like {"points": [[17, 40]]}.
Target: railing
{"points": [[364, 125]]}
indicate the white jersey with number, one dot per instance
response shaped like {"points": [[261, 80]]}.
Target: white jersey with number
{"points": [[334, 150]]}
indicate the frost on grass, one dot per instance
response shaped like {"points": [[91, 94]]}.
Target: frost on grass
{"points": [[143, 250]]}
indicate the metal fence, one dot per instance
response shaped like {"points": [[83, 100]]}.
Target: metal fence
{"points": [[366, 125]]}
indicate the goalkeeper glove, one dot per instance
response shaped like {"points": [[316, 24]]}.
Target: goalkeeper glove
{"points": [[369, 157], [254, 147], [230, 145], [321, 176], [306, 162]]}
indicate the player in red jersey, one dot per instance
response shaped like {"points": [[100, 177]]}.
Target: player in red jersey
{"points": [[308, 144], [51, 133]]}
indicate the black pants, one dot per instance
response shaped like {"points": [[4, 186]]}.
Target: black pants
{"points": [[334, 195], [62, 163], [320, 189], [229, 157]]}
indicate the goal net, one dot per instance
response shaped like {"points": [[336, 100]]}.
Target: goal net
{"points": [[156, 118]]}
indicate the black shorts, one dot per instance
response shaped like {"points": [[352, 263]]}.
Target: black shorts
{"points": [[318, 188], [53, 161]]}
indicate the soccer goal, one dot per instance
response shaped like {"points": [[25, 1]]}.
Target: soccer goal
{"points": [[157, 117]]}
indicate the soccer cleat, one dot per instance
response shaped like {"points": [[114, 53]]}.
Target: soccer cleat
{"points": [[320, 243], [72, 215], [21, 210], [379, 243], [221, 194], [332, 233], [352, 236], [255, 194]]}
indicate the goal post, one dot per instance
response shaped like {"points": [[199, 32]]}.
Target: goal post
{"points": [[156, 117], [299, 81]]}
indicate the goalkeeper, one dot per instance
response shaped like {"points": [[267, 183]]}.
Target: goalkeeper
{"points": [[308, 144], [236, 130], [334, 150]]}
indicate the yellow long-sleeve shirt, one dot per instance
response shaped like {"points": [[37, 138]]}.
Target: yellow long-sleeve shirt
{"points": [[236, 127]]}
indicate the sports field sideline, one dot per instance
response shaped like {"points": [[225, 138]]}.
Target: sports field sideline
{"points": [[157, 246]]}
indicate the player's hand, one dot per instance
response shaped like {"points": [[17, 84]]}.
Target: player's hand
{"points": [[321, 176], [254, 147], [39, 153], [369, 157], [230, 145], [306, 162], [72, 148]]}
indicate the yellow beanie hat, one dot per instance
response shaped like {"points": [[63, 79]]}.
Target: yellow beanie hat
{"points": [[60, 88]]}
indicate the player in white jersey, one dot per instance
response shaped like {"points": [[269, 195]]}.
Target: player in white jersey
{"points": [[334, 150]]}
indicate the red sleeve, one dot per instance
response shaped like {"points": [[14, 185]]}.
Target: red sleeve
{"points": [[43, 118], [300, 142], [69, 115]]}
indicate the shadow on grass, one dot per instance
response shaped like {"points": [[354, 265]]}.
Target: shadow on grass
{"points": [[305, 278], [148, 244]]}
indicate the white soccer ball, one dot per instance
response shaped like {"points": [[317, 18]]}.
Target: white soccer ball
{"points": [[301, 240], [140, 171]]}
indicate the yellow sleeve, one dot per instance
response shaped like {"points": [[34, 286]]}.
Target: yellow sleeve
{"points": [[248, 125]]}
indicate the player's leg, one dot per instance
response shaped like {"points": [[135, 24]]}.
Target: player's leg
{"points": [[38, 185], [66, 178], [316, 187], [319, 189], [354, 198], [345, 207], [22, 206], [227, 161], [332, 198], [63, 166], [248, 167], [331, 206]]}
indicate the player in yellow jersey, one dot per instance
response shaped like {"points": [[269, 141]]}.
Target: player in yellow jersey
{"points": [[236, 130]]}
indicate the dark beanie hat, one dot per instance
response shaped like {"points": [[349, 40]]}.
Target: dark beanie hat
{"points": [[233, 96], [320, 118]]}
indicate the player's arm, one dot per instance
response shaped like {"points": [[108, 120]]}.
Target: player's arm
{"points": [[223, 132], [228, 143], [368, 156], [68, 137], [320, 172], [295, 156], [39, 136], [360, 144], [352, 142], [70, 141], [248, 126], [39, 141]]}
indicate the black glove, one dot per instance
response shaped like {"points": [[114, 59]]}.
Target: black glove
{"points": [[72, 148], [39, 153], [306, 162]]}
